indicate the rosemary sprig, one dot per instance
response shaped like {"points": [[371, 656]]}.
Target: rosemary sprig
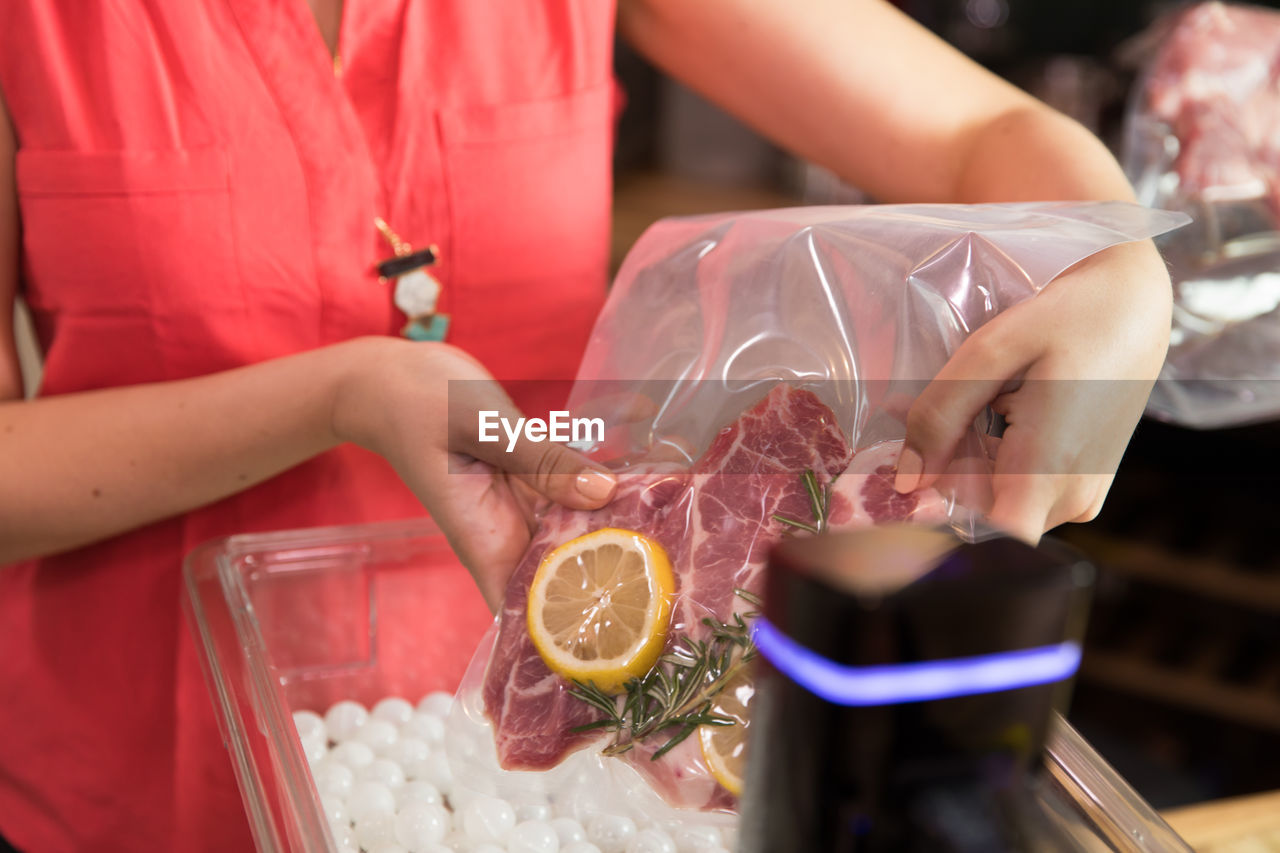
{"points": [[819, 500], [679, 693]]}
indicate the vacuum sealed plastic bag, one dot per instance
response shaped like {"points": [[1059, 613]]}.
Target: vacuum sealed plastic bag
{"points": [[1203, 136], [753, 371]]}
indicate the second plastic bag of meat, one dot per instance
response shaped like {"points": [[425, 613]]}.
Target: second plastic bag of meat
{"points": [[1202, 134], [752, 371]]}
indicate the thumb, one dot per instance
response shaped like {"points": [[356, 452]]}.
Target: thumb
{"points": [[562, 475], [522, 448], [942, 414], [946, 409]]}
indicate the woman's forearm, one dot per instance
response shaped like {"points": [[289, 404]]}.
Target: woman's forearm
{"points": [[80, 467], [1037, 154], [857, 86]]}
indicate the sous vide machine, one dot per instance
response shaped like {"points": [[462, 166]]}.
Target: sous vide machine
{"points": [[907, 688]]}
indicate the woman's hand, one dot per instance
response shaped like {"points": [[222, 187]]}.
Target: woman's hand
{"points": [[418, 405], [1070, 371]]}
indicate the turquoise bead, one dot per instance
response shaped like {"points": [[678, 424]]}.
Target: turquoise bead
{"points": [[432, 328]]}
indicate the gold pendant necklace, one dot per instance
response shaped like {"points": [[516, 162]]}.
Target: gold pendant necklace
{"points": [[417, 291]]}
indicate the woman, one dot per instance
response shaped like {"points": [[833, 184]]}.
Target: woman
{"points": [[193, 199]]}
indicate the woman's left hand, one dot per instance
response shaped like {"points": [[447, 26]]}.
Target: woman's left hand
{"points": [[1070, 371], [419, 405]]}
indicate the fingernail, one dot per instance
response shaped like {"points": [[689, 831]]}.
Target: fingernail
{"points": [[910, 467], [596, 485]]}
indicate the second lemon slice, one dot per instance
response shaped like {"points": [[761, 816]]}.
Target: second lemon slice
{"points": [[600, 605], [724, 747]]}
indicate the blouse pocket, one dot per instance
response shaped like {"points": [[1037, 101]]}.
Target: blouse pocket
{"points": [[529, 188], [127, 232]]}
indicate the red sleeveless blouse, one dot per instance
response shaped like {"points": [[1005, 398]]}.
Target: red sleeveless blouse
{"points": [[197, 190]]}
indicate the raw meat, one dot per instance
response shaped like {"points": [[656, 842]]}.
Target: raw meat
{"points": [[864, 493], [717, 523], [1216, 84], [750, 473]]}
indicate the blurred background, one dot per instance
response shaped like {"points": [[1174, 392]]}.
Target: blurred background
{"points": [[1180, 686]]}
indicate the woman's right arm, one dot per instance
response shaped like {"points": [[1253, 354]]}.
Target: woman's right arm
{"points": [[81, 467]]}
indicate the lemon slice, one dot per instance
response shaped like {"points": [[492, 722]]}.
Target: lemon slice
{"points": [[724, 747], [600, 605]]}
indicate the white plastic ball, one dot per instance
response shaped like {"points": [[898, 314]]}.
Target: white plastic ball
{"points": [[611, 833], [461, 795], [310, 724], [692, 839], [407, 751], [345, 837], [713, 850], [417, 791], [418, 771], [486, 847], [580, 847], [392, 847], [581, 800], [533, 811], [533, 836], [378, 735], [375, 829], [651, 841], [568, 830], [315, 749], [383, 770], [482, 754], [729, 837], [344, 719], [369, 798], [438, 703], [333, 778], [335, 810], [423, 726], [434, 770], [421, 824], [457, 841], [487, 819], [353, 753], [393, 709]]}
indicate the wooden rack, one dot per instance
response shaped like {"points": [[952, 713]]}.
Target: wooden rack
{"points": [[1188, 610]]}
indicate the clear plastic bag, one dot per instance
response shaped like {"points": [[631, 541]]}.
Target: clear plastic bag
{"points": [[1202, 135], [775, 354]]}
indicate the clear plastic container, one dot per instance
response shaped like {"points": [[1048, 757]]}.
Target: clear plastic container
{"points": [[300, 619]]}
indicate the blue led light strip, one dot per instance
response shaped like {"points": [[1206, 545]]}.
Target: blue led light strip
{"points": [[891, 684]]}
